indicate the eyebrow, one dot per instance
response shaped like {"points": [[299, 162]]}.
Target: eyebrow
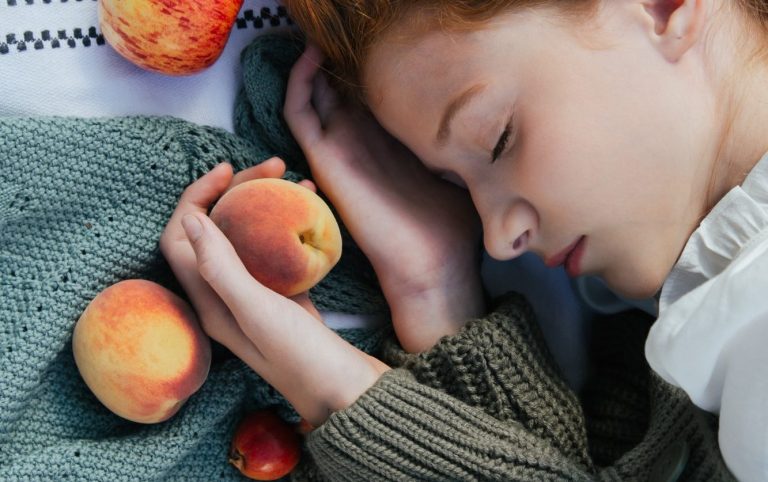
{"points": [[444, 132]]}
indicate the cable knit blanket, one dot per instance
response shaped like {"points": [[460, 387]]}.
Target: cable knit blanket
{"points": [[82, 206]]}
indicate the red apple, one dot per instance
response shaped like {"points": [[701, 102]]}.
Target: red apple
{"points": [[264, 446], [176, 37]]}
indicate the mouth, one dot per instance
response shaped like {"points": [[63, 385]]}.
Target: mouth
{"points": [[570, 257]]}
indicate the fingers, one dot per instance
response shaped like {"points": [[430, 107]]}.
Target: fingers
{"points": [[324, 99], [197, 197], [219, 264], [215, 318], [256, 308], [203, 192], [299, 113], [214, 315], [287, 342], [180, 254], [273, 167], [308, 184]]}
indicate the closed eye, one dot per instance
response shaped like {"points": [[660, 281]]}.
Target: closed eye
{"points": [[501, 145]]}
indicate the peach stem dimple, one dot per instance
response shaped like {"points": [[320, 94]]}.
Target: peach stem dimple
{"points": [[306, 237]]}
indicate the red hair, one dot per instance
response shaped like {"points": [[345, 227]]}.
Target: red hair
{"points": [[345, 30]]}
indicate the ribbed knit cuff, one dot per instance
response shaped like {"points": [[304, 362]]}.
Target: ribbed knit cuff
{"points": [[485, 403], [502, 364], [401, 429]]}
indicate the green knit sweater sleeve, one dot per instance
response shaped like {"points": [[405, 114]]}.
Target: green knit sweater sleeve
{"points": [[489, 404], [484, 403], [402, 429]]}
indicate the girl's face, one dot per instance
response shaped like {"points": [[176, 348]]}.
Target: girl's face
{"points": [[581, 144]]}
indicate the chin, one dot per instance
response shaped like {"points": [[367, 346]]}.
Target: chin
{"points": [[635, 284]]}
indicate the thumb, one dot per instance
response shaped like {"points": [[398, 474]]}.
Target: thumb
{"points": [[220, 266]]}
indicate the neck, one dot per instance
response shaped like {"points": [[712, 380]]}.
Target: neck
{"points": [[744, 106]]}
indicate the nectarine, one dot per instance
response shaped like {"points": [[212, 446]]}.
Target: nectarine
{"points": [[141, 350], [285, 234]]}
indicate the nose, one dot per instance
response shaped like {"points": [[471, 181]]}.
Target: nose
{"points": [[508, 234]]}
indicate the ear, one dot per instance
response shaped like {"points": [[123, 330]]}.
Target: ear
{"points": [[678, 25]]}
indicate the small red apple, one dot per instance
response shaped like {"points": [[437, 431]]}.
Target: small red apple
{"points": [[175, 37], [265, 447]]}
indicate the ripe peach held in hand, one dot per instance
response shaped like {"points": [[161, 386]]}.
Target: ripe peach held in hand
{"points": [[284, 233], [264, 446], [141, 350], [176, 37]]}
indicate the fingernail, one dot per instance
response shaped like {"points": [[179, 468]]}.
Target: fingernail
{"points": [[192, 227]]}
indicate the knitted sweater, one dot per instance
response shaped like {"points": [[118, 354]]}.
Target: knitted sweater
{"points": [[82, 206], [489, 404]]}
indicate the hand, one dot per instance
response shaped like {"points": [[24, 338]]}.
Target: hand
{"points": [[420, 233], [280, 338]]}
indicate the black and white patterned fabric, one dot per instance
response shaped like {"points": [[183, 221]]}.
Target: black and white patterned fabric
{"points": [[55, 61]]}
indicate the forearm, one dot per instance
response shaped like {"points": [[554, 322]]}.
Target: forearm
{"points": [[315, 369], [310, 365]]}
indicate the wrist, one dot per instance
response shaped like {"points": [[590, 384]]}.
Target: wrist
{"points": [[422, 317]]}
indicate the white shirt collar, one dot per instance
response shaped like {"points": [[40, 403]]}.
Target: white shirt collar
{"points": [[723, 233]]}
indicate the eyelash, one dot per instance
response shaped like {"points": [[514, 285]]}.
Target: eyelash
{"points": [[502, 144]]}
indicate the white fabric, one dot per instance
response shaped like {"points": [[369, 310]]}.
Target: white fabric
{"points": [[711, 335], [89, 78]]}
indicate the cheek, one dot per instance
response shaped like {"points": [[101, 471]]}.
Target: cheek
{"points": [[585, 168], [559, 171], [607, 135]]}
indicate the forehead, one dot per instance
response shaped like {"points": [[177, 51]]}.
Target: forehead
{"points": [[404, 60], [411, 78]]}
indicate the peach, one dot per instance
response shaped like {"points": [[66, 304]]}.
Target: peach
{"points": [[176, 37], [285, 234], [141, 350]]}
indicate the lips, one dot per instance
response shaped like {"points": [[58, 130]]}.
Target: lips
{"points": [[570, 257]]}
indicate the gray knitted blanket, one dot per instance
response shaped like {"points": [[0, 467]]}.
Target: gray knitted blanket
{"points": [[82, 206]]}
